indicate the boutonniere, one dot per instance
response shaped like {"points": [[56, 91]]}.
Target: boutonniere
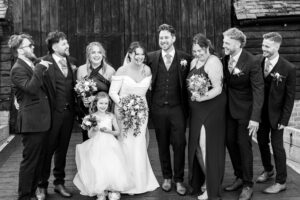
{"points": [[277, 77], [183, 63], [237, 72], [73, 67]]}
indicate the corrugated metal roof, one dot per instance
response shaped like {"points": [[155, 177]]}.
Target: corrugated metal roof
{"points": [[253, 9]]}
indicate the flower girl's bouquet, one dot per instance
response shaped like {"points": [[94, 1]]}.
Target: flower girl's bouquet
{"points": [[134, 112], [88, 122], [198, 84], [85, 88]]}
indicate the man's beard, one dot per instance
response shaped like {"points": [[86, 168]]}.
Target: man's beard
{"points": [[31, 56]]}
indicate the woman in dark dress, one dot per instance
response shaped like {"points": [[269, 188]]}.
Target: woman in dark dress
{"points": [[207, 123], [99, 70]]}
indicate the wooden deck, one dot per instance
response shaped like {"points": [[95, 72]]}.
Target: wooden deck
{"points": [[10, 158]]}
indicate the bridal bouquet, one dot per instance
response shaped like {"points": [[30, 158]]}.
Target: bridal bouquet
{"points": [[88, 122], [198, 84], [85, 87], [134, 112]]}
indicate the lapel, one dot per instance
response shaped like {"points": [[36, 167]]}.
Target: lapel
{"points": [[241, 61], [27, 67], [51, 71], [276, 68], [177, 65], [155, 64]]}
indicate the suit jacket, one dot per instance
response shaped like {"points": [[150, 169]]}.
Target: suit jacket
{"points": [[34, 112], [153, 63], [50, 79], [282, 92], [245, 91]]}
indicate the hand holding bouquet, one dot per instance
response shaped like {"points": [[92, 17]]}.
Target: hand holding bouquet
{"points": [[85, 88], [88, 122], [198, 85], [134, 112]]}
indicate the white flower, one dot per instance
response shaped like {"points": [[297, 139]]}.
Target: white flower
{"points": [[183, 62], [88, 123], [277, 75], [236, 71]]}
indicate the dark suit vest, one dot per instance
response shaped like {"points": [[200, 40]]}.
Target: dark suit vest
{"points": [[64, 90], [167, 87]]}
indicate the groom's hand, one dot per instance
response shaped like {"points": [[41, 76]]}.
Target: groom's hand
{"points": [[253, 127]]}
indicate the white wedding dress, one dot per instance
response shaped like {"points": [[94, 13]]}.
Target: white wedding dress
{"points": [[101, 164], [134, 147]]}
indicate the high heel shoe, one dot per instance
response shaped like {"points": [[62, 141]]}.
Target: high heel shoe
{"points": [[203, 196]]}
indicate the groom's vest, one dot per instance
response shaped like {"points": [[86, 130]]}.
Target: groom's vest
{"points": [[167, 88], [64, 90]]}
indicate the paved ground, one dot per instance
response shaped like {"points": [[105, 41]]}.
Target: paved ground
{"points": [[10, 158]]}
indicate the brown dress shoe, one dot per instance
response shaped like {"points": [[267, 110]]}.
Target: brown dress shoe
{"points": [[180, 188], [41, 193], [235, 185], [275, 188], [60, 189], [167, 185], [246, 193], [264, 176]]}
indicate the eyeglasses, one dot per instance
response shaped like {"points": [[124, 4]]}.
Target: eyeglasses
{"points": [[30, 46]]}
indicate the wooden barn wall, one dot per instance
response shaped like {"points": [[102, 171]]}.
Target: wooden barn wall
{"points": [[290, 48], [116, 23]]}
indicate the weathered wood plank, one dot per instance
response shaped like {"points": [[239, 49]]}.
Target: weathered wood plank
{"points": [[36, 25], [151, 26], [17, 10], [26, 12], [72, 28], [45, 24], [63, 15], [54, 15], [142, 27], [89, 16], [98, 17], [106, 9], [185, 28]]}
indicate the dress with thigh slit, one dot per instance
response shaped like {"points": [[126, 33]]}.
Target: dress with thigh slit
{"points": [[211, 115]]}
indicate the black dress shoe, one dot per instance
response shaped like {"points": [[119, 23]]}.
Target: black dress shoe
{"points": [[166, 185], [60, 189], [180, 189], [235, 185]]}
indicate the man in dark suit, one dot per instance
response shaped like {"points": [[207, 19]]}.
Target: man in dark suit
{"points": [[169, 105], [34, 116], [60, 81], [280, 85], [245, 89]]}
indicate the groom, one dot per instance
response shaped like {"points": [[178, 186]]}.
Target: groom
{"points": [[169, 105]]}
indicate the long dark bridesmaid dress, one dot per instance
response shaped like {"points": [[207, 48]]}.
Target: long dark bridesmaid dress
{"points": [[211, 114]]}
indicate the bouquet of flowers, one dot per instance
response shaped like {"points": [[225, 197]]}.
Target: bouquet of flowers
{"points": [[198, 84], [85, 87], [134, 112], [88, 122]]}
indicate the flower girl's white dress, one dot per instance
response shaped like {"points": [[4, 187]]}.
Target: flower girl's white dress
{"points": [[134, 147], [101, 163]]}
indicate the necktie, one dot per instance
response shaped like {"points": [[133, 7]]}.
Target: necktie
{"points": [[64, 67], [168, 61], [230, 64], [267, 67]]}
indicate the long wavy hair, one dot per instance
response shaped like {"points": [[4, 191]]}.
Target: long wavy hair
{"points": [[103, 52]]}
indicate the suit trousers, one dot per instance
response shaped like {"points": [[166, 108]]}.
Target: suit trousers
{"points": [[30, 167], [263, 139], [170, 125], [239, 145], [58, 143]]}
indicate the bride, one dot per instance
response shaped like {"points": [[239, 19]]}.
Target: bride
{"points": [[134, 78]]}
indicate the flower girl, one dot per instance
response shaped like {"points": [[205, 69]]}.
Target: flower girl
{"points": [[102, 169]]}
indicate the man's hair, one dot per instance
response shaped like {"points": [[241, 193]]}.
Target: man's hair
{"points": [[54, 37], [236, 34], [273, 36], [15, 41], [166, 27]]}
